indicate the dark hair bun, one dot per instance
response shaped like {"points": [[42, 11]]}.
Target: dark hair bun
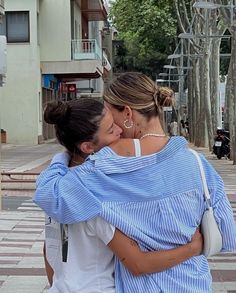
{"points": [[57, 112], [166, 97]]}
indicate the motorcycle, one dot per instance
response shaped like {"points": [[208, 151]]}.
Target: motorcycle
{"points": [[221, 146]]}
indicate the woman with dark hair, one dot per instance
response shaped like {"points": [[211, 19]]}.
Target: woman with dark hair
{"points": [[79, 257], [137, 185]]}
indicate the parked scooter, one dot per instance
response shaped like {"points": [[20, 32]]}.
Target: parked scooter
{"points": [[221, 146]]}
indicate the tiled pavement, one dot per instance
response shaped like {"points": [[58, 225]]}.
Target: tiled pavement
{"points": [[223, 267], [22, 234], [21, 242]]}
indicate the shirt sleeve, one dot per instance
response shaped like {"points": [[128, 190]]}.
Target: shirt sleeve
{"points": [[222, 208], [65, 202], [224, 216], [102, 229]]}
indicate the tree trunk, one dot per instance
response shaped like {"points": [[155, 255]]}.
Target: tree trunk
{"points": [[190, 106], [206, 95], [233, 97], [215, 88], [228, 88], [202, 113], [198, 133]]}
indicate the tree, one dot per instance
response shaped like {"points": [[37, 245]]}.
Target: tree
{"points": [[210, 27], [147, 28], [230, 110]]}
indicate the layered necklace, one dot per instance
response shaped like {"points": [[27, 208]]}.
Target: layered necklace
{"points": [[153, 134]]}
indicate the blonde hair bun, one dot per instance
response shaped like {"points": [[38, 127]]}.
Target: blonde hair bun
{"points": [[166, 97]]}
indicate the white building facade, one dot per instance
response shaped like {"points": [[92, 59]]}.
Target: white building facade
{"points": [[50, 44]]}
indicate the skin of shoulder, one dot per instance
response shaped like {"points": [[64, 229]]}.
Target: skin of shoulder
{"points": [[123, 147]]}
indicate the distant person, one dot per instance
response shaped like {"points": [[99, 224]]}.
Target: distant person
{"points": [[174, 128], [186, 123], [183, 131]]}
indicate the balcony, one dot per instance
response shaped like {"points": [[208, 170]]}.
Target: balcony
{"points": [[86, 50], [94, 10], [86, 62]]}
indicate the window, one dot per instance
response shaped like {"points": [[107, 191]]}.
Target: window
{"points": [[16, 27]]}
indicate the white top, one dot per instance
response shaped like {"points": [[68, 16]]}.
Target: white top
{"points": [[90, 263]]}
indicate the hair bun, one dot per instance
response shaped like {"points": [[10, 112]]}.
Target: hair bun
{"points": [[166, 97], [56, 112]]}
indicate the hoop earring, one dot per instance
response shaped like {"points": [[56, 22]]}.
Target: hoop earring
{"points": [[130, 125]]}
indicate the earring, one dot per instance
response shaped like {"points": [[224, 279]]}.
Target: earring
{"points": [[130, 125]]}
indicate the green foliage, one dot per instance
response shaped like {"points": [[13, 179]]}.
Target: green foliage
{"points": [[148, 28]]}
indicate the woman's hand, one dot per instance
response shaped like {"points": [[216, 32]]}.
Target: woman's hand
{"points": [[197, 242]]}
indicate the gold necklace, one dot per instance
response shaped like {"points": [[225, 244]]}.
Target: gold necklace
{"points": [[153, 134]]}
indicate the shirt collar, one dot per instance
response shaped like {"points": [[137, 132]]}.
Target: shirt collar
{"points": [[107, 161]]}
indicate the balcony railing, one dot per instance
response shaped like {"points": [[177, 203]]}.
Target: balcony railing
{"points": [[86, 50]]}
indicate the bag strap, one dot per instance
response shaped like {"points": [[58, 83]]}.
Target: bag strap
{"points": [[204, 182]]}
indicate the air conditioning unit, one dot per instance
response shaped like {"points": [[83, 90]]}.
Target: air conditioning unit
{"points": [[3, 55]]}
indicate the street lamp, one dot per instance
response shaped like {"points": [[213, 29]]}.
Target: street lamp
{"points": [[186, 36], [206, 5], [171, 74], [169, 66], [192, 36], [210, 5], [167, 80], [163, 74], [174, 56], [177, 67]]}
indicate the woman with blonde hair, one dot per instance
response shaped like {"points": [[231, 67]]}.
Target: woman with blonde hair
{"points": [[145, 196]]}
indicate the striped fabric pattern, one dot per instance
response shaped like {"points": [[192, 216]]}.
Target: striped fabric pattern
{"points": [[155, 199]]}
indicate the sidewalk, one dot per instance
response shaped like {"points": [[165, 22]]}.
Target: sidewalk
{"points": [[23, 158], [22, 231], [27, 160]]}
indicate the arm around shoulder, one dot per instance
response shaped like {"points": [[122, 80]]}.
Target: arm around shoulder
{"points": [[62, 194]]}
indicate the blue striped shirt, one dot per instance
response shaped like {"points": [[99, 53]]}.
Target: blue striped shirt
{"points": [[156, 199]]}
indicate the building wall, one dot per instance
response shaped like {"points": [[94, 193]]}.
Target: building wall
{"points": [[53, 24], [20, 100], [77, 22], [55, 30]]}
